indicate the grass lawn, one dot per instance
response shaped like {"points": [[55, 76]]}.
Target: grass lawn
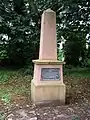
{"points": [[15, 89], [78, 72], [77, 82], [15, 86]]}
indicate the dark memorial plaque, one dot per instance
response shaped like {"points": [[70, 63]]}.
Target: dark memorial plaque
{"points": [[50, 74]]}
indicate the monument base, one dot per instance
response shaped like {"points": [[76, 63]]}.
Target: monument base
{"points": [[47, 92]]}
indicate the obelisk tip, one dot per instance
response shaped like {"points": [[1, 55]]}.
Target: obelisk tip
{"points": [[49, 10]]}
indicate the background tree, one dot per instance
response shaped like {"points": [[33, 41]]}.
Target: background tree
{"points": [[74, 27], [20, 22]]}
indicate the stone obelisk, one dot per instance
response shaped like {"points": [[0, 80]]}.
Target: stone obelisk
{"points": [[47, 83], [48, 45]]}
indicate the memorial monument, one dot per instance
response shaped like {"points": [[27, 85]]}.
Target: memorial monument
{"points": [[47, 84]]}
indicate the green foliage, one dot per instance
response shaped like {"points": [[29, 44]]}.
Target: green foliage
{"points": [[20, 21], [3, 54], [28, 70], [74, 19], [3, 78], [2, 116], [75, 49], [6, 98], [76, 117], [21, 44], [61, 55], [5, 75]]}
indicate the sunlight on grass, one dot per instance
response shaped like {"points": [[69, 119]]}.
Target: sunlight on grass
{"points": [[13, 83], [5, 75], [7, 92]]}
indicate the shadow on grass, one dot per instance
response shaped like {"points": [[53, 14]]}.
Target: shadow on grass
{"points": [[78, 72]]}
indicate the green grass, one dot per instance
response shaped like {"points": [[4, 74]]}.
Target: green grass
{"points": [[2, 116], [5, 75], [7, 92], [89, 62], [13, 83], [78, 72]]}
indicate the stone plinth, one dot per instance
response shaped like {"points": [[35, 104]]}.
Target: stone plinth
{"points": [[50, 90]]}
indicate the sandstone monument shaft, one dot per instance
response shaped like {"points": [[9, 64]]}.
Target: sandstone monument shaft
{"points": [[48, 45]]}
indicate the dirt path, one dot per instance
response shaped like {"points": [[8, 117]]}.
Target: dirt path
{"points": [[31, 112], [77, 107]]}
